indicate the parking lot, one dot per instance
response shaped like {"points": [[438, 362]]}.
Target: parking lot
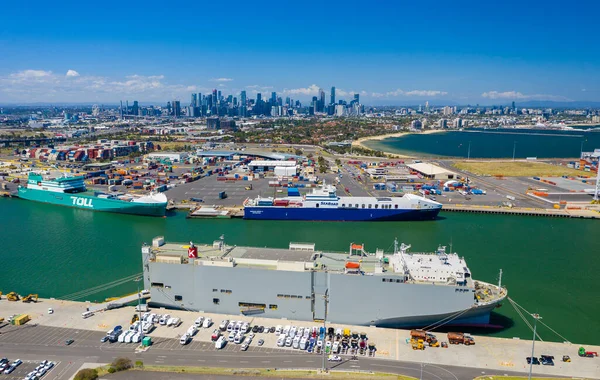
{"points": [[27, 367]]}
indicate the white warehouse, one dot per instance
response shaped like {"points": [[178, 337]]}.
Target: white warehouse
{"points": [[280, 168]]}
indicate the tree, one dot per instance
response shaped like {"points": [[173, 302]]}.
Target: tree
{"points": [[298, 152], [121, 364], [86, 374]]}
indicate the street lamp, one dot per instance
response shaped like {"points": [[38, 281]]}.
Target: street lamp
{"points": [[535, 319]]}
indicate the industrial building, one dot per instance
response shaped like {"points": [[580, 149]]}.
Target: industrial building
{"points": [[171, 156], [431, 171]]}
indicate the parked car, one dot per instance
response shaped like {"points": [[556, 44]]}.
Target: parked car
{"points": [[68, 342], [534, 360]]}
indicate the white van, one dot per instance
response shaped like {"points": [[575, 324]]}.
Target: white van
{"points": [[136, 338], [220, 343], [303, 344], [128, 337], [147, 327], [230, 326], [176, 322], [281, 341], [192, 330], [278, 329], [293, 332], [199, 321], [170, 322], [286, 330], [207, 323], [87, 314], [185, 338], [121, 338], [239, 338], [296, 342]]}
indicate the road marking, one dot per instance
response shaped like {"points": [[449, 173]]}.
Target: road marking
{"points": [[266, 361]]}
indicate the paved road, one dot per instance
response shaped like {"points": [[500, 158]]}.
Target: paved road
{"points": [[35, 343]]}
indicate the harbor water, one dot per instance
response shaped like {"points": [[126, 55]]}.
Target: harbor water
{"points": [[497, 143], [550, 265]]}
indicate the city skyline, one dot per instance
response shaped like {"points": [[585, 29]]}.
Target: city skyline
{"points": [[404, 54]]}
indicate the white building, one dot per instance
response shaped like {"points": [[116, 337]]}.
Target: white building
{"points": [[432, 171], [171, 156]]}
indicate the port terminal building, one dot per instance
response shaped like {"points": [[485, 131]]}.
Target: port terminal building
{"points": [[431, 171]]}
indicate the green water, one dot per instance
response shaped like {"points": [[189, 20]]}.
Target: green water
{"points": [[550, 265], [493, 144]]}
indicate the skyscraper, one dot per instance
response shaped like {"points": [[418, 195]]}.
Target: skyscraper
{"points": [[135, 108], [193, 100], [199, 100], [243, 104], [176, 108], [321, 100], [357, 98], [332, 95], [273, 98]]}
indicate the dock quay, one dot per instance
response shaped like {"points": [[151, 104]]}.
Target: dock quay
{"points": [[488, 354], [524, 211]]}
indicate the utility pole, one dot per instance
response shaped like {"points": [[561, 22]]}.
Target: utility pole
{"points": [[535, 319]]}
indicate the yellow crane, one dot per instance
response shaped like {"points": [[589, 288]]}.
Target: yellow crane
{"points": [[31, 297]]}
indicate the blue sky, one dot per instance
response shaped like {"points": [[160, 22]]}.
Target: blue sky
{"points": [[393, 52]]}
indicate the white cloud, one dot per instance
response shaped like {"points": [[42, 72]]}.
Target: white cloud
{"points": [[311, 90], [31, 74], [516, 95], [221, 80], [40, 86], [583, 89], [412, 93]]}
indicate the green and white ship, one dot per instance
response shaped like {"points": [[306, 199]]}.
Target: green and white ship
{"points": [[71, 192]]}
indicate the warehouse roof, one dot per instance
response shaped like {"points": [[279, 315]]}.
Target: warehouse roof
{"points": [[428, 169], [272, 163]]}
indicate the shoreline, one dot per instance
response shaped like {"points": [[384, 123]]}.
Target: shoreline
{"points": [[360, 142]]}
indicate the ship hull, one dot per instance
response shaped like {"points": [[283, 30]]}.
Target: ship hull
{"points": [[89, 202], [338, 214], [353, 299]]}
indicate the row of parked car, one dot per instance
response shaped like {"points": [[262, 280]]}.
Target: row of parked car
{"points": [[7, 367], [43, 368], [200, 322]]}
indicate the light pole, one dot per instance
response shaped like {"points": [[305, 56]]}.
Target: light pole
{"points": [[137, 280], [469, 151], [325, 300], [535, 319], [514, 149]]}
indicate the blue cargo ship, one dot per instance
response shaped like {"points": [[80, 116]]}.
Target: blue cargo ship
{"points": [[323, 204]]}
